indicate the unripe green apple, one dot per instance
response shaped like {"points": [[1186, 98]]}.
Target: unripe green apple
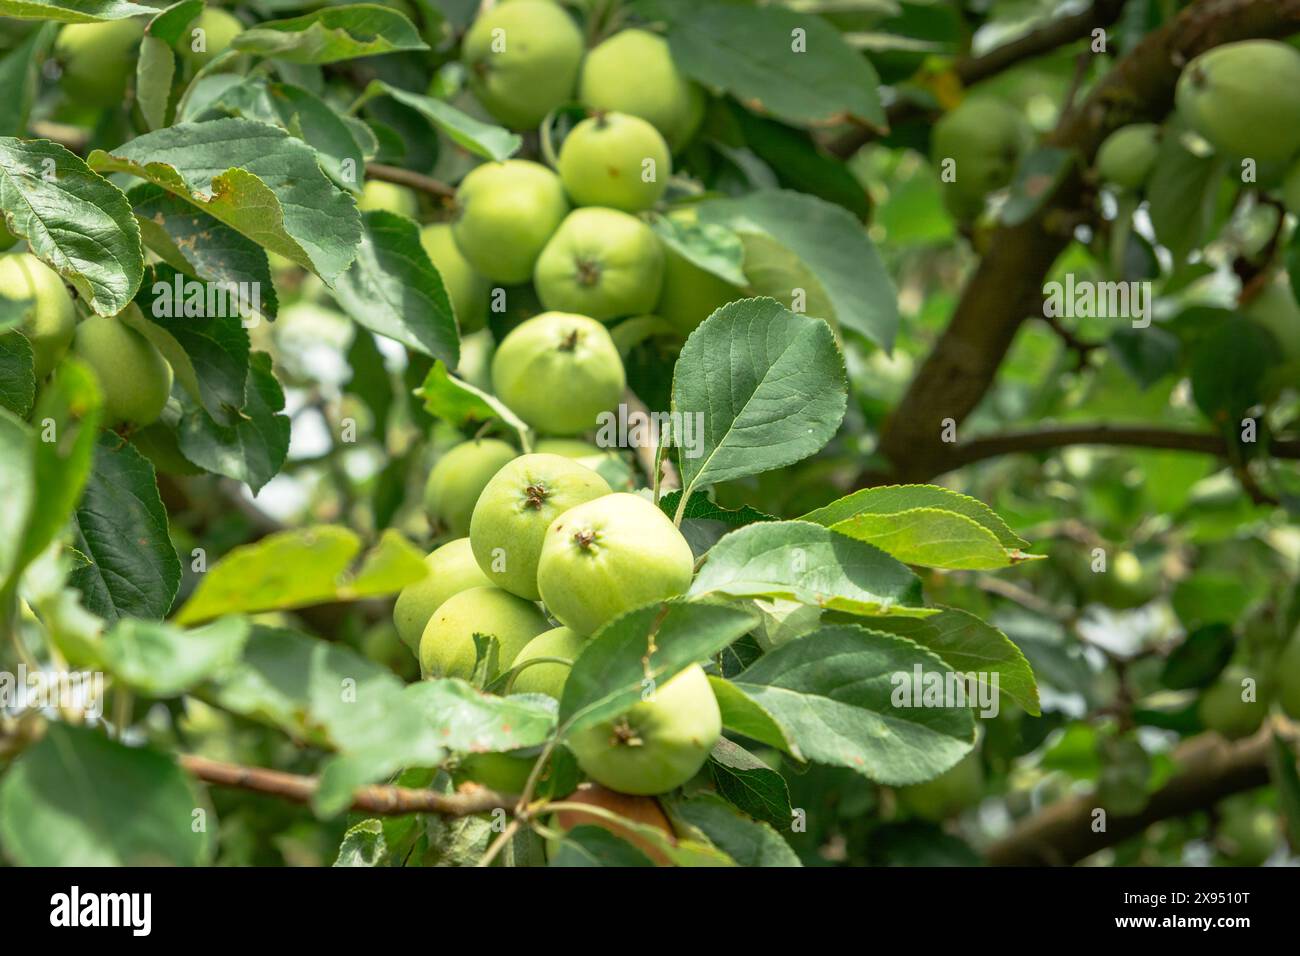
{"points": [[133, 376], [1223, 710], [380, 196], [50, 318], [504, 773], [1288, 686], [7, 239], [985, 138], [947, 794], [608, 556], [1128, 155], [452, 569], [642, 810], [515, 509], [615, 160], [467, 290], [447, 644], [1248, 835], [602, 263], [219, 30], [1275, 308], [558, 372], [457, 479], [1127, 582], [658, 744], [98, 60], [1245, 99], [507, 213], [633, 72], [689, 294], [522, 60], [548, 678]]}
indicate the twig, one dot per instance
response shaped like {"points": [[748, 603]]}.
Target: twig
{"points": [[413, 180], [646, 455]]}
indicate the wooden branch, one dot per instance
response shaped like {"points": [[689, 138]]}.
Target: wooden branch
{"points": [[1211, 769], [376, 800], [412, 180], [1007, 286]]}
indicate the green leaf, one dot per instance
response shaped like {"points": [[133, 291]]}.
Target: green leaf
{"points": [[836, 261], [363, 845], [804, 562], [469, 721], [711, 247], [770, 386], [748, 718], [588, 845], [652, 644], [332, 34], [1283, 771], [392, 288], [1200, 658], [747, 842], [970, 646], [299, 568], [925, 525], [479, 138], [750, 785], [73, 11], [121, 527], [17, 373], [73, 219], [832, 693], [194, 243], [461, 404], [1181, 200], [154, 71], [253, 450], [272, 190], [86, 789], [749, 53], [159, 660], [20, 79], [18, 480], [703, 508], [1229, 368]]}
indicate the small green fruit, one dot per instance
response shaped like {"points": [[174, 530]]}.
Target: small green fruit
{"points": [[602, 263], [447, 644], [1245, 99], [1223, 710], [7, 239], [947, 794], [219, 30], [467, 290], [658, 744], [452, 569], [508, 212], [133, 376], [548, 678], [608, 556], [98, 60], [515, 509], [1128, 155], [1248, 835], [633, 72], [1288, 688], [380, 196], [985, 137], [476, 351], [558, 372], [455, 482], [502, 772], [615, 160], [689, 294], [1127, 582], [50, 318], [522, 59], [643, 810]]}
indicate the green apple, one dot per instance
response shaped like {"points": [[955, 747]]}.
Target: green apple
{"points": [[1128, 155], [633, 72], [522, 60], [615, 160], [608, 556], [985, 138], [947, 794], [50, 318], [447, 644], [1223, 710], [98, 59], [1288, 688], [452, 569], [1248, 835], [1245, 99], [380, 196], [548, 678], [502, 772], [507, 212], [476, 351], [689, 294], [7, 239], [133, 376], [454, 483], [515, 509], [643, 810], [658, 744], [219, 30], [467, 290], [1127, 582], [602, 263], [558, 371]]}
